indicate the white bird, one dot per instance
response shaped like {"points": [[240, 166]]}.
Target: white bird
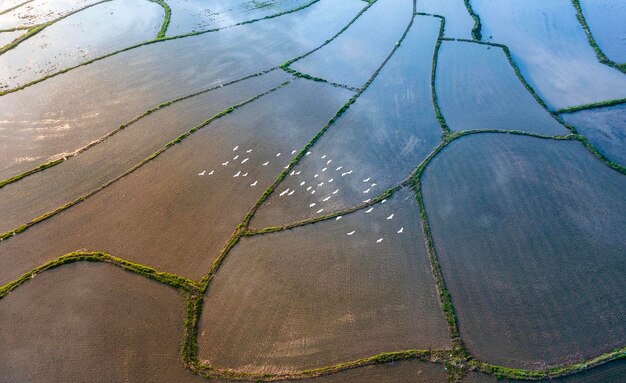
{"points": [[350, 233], [366, 191], [201, 174], [335, 192], [319, 211], [311, 205], [302, 183], [324, 169], [339, 168], [265, 164], [224, 163], [367, 179], [343, 174], [367, 200], [237, 156], [312, 191], [237, 175], [291, 192], [390, 217], [249, 151], [292, 172], [245, 160], [383, 201], [315, 176], [298, 172], [369, 210], [293, 151], [326, 199], [401, 230], [372, 185], [309, 188], [331, 180], [350, 172], [328, 162], [284, 192], [211, 172], [235, 148], [324, 156], [379, 240], [254, 183], [338, 218], [244, 175], [277, 154], [307, 153], [286, 167], [320, 184]]}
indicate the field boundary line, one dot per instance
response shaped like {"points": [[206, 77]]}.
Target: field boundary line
{"points": [[166, 17], [477, 28], [177, 140], [305, 76], [167, 278], [594, 105], [602, 58], [35, 29], [149, 42], [163, 105]]}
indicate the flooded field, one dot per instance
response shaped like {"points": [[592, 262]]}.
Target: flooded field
{"points": [[376, 144], [459, 23], [326, 293], [88, 102], [605, 128], [312, 191], [606, 21], [197, 15], [80, 37], [78, 315], [477, 89], [533, 257], [551, 49], [209, 180]]}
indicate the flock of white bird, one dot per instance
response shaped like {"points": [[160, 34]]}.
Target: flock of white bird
{"points": [[312, 187]]}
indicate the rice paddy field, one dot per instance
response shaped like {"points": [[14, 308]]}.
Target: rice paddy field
{"points": [[323, 191]]}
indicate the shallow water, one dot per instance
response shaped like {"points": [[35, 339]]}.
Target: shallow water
{"points": [[325, 293], [43, 192], [353, 56], [79, 38], [459, 23], [551, 49], [606, 19], [374, 145], [198, 15], [86, 103], [7, 37], [605, 128], [530, 236], [478, 89], [176, 212], [39, 11]]}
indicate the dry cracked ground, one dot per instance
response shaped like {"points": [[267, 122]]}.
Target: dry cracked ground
{"points": [[313, 190]]}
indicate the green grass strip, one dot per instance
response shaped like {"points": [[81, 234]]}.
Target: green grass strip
{"points": [[32, 31], [166, 18], [305, 76], [476, 29], [177, 140], [595, 105], [438, 114], [172, 280], [599, 53]]}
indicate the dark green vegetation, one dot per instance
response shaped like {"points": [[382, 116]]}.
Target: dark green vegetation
{"points": [[166, 18], [477, 28], [540, 212], [601, 56], [605, 128], [456, 358]]}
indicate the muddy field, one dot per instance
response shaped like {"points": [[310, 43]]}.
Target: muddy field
{"points": [[531, 246], [304, 191]]}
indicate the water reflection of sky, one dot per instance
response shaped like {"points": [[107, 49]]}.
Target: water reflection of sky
{"points": [[551, 50]]}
